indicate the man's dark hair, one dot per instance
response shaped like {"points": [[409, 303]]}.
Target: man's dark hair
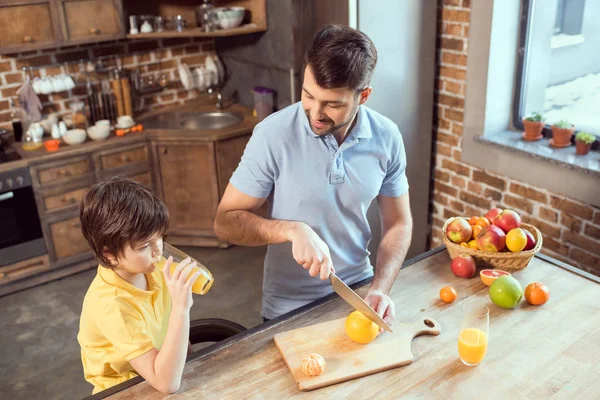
{"points": [[340, 56], [120, 212]]}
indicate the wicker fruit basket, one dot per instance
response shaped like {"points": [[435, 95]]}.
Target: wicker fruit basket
{"points": [[507, 261]]}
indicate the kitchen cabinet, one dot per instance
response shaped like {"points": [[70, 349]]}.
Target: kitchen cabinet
{"points": [[534, 352], [28, 25], [38, 24], [189, 189], [85, 21], [65, 241]]}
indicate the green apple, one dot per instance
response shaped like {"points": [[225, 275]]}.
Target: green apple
{"points": [[506, 292]]}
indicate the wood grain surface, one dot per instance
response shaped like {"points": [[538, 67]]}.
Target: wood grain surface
{"points": [[534, 352]]}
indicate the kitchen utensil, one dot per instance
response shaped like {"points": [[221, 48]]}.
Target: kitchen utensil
{"points": [[133, 26], [55, 132], [179, 23], [356, 301], [159, 23], [75, 136], [230, 17], [146, 27], [474, 334], [263, 101], [346, 359], [62, 128], [206, 17], [211, 67], [203, 283], [52, 145], [118, 92], [126, 88], [185, 76], [98, 132]]}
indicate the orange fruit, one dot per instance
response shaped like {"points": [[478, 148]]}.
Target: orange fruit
{"points": [[488, 276], [464, 244], [472, 244], [473, 220], [476, 230], [516, 239], [448, 294], [360, 328], [537, 294], [482, 222]]}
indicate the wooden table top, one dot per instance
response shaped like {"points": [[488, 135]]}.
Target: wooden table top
{"points": [[534, 352]]}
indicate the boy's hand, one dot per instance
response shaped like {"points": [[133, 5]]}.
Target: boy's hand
{"points": [[179, 287]]}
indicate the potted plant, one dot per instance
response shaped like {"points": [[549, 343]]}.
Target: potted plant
{"points": [[534, 124], [562, 131], [583, 142]]}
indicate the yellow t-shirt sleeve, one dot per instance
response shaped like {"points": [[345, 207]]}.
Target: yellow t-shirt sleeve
{"points": [[124, 326]]}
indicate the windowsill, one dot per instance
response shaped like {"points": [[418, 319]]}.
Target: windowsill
{"points": [[541, 149], [562, 40]]}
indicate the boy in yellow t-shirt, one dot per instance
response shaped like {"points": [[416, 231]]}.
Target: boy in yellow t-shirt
{"points": [[135, 318]]}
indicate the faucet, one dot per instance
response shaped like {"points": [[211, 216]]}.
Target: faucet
{"points": [[217, 89]]}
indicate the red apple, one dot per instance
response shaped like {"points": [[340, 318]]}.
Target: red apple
{"points": [[530, 240], [493, 213], [463, 266], [459, 230], [491, 239], [507, 220]]}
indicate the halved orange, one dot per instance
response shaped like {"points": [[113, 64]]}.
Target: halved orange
{"points": [[488, 276]]}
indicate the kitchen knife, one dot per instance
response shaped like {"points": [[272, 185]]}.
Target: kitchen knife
{"points": [[356, 301]]}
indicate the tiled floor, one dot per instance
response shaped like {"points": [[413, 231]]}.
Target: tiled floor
{"points": [[38, 327]]}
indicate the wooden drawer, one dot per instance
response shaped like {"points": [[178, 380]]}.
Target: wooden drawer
{"points": [[62, 172], [144, 178], [124, 158], [64, 200], [27, 26], [66, 238], [91, 20]]}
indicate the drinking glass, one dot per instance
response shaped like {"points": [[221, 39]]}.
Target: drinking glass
{"points": [[204, 281], [474, 334]]}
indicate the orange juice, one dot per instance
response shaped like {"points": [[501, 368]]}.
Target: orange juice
{"points": [[203, 282], [472, 345]]}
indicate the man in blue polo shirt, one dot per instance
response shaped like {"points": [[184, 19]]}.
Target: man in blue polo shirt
{"points": [[321, 163]]}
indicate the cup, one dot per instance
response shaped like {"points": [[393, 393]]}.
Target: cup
{"points": [[125, 120], [204, 281], [474, 334], [263, 101]]}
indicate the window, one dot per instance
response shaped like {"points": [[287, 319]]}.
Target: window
{"points": [[559, 63]]}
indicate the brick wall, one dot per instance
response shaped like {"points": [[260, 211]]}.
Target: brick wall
{"points": [[571, 229], [150, 56]]}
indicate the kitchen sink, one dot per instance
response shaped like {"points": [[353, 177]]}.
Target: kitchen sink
{"points": [[193, 121]]}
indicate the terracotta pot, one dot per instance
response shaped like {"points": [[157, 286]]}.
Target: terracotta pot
{"points": [[582, 148], [533, 130], [562, 136]]}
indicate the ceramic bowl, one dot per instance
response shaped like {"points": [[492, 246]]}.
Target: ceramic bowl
{"points": [[98, 132], [74, 136], [230, 17]]}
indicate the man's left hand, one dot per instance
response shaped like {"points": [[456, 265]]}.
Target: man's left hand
{"points": [[382, 304]]}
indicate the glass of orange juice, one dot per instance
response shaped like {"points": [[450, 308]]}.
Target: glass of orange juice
{"points": [[203, 283], [474, 334]]}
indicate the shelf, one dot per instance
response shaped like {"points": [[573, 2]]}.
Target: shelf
{"points": [[197, 32]]}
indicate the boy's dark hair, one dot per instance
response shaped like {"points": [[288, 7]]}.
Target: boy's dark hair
{"points": [[340, 56], [119, 212]]}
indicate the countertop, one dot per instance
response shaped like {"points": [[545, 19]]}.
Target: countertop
{"points": [[41, 155], [534, 352]]}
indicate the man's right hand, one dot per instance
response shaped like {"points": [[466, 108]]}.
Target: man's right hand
{"points": [[310, 251]]}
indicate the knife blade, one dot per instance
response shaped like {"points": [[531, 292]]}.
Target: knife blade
{"points": [[356, 301]]}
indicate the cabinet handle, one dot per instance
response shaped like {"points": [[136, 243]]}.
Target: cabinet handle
{"points": [[71, 200], [94, 31], [63, 172], [165, 151], [126, 159], [28, 39]]}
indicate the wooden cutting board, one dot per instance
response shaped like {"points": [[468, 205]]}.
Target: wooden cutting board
{"points": [[345, 359]]}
